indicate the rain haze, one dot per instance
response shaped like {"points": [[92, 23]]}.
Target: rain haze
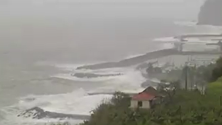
{"points": [[42, 42], [73, 26]]}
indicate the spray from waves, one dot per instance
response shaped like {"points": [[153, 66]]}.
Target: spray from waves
{"points": [[73, 68], [128, 76], [76, 102], [74, 78], [11, 119], [130, 79], [88, 75], [130, 82]]}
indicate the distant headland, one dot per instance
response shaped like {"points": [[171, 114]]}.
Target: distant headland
{"points": [[210, 13]]}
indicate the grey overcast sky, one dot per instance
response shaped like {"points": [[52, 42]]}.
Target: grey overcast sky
{"points": [[37, 22], [97, 8]]}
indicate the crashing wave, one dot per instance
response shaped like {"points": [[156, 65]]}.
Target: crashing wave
{"points": [[39, 113]]}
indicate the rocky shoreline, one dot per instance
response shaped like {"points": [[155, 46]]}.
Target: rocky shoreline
{"points": [[39, 113]]}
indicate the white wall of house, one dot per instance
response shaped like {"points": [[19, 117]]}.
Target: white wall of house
{"points": [[134, 104], [145, 104]]}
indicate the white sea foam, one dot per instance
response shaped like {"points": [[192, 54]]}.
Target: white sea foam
{"points": [[74, 78], [76, 102], [71, 67], [130, 82], [11, 119], [128, 75]]}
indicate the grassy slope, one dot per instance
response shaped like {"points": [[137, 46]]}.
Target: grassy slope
{"points": [[186, 108]]}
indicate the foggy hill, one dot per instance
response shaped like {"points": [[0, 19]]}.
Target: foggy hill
{"points": [[210, 13]]}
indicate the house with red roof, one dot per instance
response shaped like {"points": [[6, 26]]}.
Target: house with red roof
{"points": [[146, 99]]}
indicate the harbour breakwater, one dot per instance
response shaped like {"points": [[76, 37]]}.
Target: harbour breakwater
{"points": [[146, 57], [215, 36]]}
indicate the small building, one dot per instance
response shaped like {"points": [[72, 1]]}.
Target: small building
{"points": [[146, 99]]}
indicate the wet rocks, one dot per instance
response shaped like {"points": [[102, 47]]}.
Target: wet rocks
{"points": [[39, 113]]}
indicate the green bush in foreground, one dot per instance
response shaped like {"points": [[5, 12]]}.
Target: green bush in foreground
{"points": [[182, 108], [185, 108]]}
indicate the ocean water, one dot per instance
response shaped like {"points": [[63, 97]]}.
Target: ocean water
{"points": [[39, 74]]}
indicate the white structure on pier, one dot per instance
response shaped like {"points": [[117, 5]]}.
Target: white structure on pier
{"points": [[206, 39]]}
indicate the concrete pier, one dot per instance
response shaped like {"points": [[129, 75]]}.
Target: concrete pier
{"points": [[216, 36], [146, 57]]}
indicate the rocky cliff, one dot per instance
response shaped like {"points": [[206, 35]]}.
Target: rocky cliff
{"points": [[211, 13]]}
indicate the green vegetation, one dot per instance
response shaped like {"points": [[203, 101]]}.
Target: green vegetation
{"points": [[184, 107], [180, 107], [217, 71], [203, 72]]}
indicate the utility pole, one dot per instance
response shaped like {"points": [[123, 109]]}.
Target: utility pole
{"points": [[186, 68], [191, 75], [195, 76]]}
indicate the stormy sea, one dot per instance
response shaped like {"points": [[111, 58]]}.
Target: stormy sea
{"points": [[42, 79], [45, 85]]}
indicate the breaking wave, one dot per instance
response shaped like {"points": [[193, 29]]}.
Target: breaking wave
{"points": [[78, 103]]}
